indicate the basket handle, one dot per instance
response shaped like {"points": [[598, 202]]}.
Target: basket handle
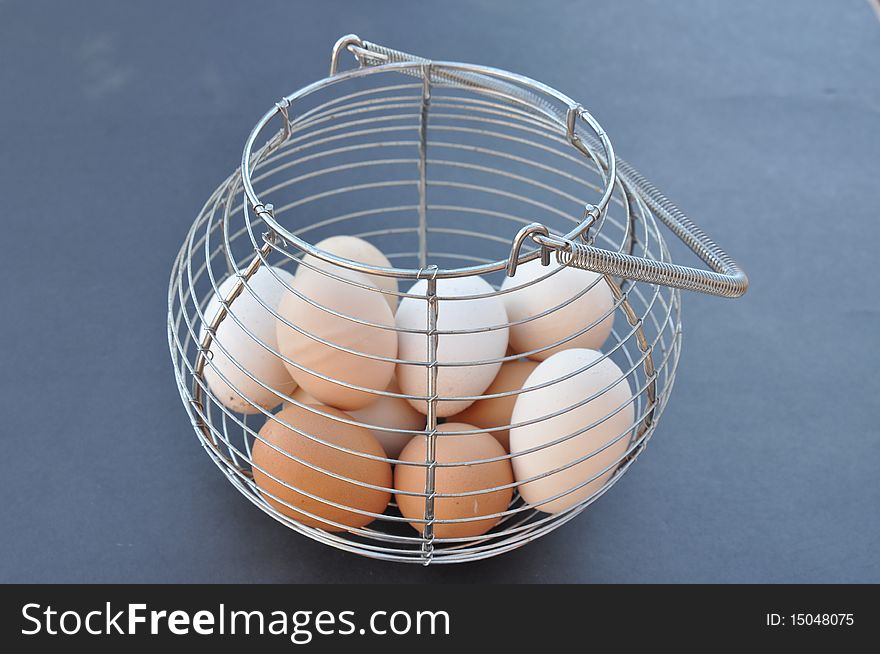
{"points": [[724, 278]]}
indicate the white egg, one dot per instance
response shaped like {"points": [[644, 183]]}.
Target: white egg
{"points": [[393, 412], [563, 396], [348, 348], [239, 392], [357, 249], [571, 316], [452, 381]]}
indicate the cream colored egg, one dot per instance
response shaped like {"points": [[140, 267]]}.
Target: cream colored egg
{"points": [[452, 381], [571, 317], [357, 249], [337, 347], [393, 412], [564, 396], [232, 386]]}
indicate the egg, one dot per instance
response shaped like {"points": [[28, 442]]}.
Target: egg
{"points": [[456, 479], [393, 412], [563, 396], [572, 315], [452, 381], [496, 412], [357, 249], [239, 392], [271, 467], [340, 367], [302, 397]]}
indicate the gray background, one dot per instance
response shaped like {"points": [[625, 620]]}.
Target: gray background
{"points": [[761, 119]]}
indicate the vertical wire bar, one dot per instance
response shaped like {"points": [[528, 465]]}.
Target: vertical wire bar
{"points": [[423, 165], [431, 422], [650, 372]]}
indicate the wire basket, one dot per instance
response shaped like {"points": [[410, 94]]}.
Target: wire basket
{"points": [[465, 177]]}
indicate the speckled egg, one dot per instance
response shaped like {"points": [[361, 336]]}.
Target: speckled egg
{"points": [[254, 351], [456, 479]]}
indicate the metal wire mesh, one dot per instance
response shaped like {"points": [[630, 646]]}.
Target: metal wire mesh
{"points": [[439, 176]]}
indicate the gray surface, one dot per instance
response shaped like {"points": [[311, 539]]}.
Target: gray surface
{"points": [[761, 119]]}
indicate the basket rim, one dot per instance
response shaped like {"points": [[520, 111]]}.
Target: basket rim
{"points": [[508, 80]]}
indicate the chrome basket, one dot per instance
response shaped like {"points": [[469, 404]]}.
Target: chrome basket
{"points": [[455, 170]]}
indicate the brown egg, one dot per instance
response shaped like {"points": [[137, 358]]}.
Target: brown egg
{"points": [[488, 414], [268, 461], [355, 363], [357, 249], [457, 479]]}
